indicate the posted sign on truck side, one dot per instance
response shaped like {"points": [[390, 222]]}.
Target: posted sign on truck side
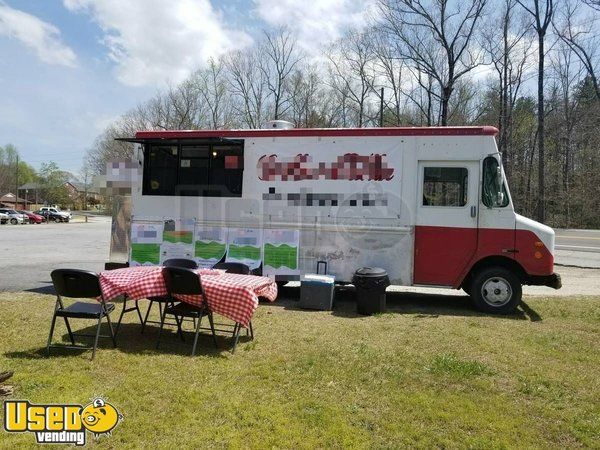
{"points": [[430, 205]]}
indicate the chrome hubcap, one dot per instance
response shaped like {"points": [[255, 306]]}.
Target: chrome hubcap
{"points": [[496, 291]]}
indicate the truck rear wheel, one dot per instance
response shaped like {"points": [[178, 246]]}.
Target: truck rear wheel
{"points": [[496, 290]]}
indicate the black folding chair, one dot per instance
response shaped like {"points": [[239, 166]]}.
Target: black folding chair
{"points": [[233, 267], [166, 299], [74, 283], [135, 307], [184, 281], [242, 269]]}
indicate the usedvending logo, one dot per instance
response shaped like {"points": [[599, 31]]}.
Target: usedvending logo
{"points": [[62, 423]]}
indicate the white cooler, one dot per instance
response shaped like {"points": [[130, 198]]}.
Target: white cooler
{"points": [[316, 292]]}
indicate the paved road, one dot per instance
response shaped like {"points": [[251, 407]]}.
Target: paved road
{"points": [[578, 240], [31, 252], [578, 247]]}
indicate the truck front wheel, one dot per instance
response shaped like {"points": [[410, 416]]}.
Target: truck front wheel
{"points": [[496, 290]]}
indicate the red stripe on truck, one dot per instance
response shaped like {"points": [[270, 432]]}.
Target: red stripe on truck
{"points": [[444, 255], [316, 132]]}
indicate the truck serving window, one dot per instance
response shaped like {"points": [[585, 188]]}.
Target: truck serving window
{"points": [[445, 186], [493, 193], [202, 170]]}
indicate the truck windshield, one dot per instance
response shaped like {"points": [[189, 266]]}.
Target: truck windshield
{"points": [[493, 194]]}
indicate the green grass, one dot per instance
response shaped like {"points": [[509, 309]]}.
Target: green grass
{"points": [[450, 364], [429, 373]]}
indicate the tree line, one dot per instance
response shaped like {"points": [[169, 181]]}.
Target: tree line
{"points": [[529, 67], [49, 179]]}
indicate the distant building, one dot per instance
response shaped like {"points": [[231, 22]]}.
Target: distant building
{"points": [[10, 200], [32, 192], [77, 192]]}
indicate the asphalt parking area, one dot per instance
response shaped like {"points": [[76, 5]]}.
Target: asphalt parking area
{"points": [[31, 252]]}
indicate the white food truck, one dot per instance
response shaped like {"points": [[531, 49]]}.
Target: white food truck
{"points": [[429, 205]]}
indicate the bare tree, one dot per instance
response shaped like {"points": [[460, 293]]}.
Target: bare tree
{"points": [[248, 85], [352, 71], [281, 59], [593, 4], [390, 75], [435, 39], [568, 71], [510, 61], [423, 96], [211, 87], [579, 30], [541, 11], [308, 99]]}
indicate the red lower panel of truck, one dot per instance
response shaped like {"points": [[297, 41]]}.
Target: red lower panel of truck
{"points": [[444, 255]]}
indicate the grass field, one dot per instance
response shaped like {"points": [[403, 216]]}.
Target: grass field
{"points": [[430, 373]]}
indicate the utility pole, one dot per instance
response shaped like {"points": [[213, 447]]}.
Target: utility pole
{"points": [[381, 110], [17, 183], [85, 187]]}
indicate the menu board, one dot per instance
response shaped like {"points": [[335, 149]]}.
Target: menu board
{"points": [[146, 239], [152, 243], [210, 245], [244, 245], [280, 252]]}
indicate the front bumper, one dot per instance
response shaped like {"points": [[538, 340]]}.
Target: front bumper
{"points": [[552, 281]]}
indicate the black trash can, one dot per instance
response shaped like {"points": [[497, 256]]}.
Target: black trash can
{"points": [[370, 283]]}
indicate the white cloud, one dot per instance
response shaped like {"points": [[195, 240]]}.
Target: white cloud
{"points": [[315, 22], [40, 36], [158, 41]]}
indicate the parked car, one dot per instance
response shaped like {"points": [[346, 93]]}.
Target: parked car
{"points": [[32, 217], [3, 218], [53, 216], [14, 217], [56, 210]]}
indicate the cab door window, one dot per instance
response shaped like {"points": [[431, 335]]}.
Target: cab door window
{"points": [[493, 192], [445, 186]]}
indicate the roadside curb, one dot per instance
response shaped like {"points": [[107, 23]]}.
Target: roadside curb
{"points": [[576, 266]]}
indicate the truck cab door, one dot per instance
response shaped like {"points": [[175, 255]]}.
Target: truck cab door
{"points": [[496, 213], [446, 226]]}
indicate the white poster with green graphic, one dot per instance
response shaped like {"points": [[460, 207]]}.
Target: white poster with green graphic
{"points": [[146, 239], [210, 245], [244, 245], [177, 239], [280, 252]]}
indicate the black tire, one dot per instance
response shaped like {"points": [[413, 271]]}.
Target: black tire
{"points": [[13, 221], [506, 294], [52, 219]]}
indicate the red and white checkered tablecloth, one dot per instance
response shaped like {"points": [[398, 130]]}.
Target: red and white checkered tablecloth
{"points": [[231, 295], [135, 282], [234, 296]]}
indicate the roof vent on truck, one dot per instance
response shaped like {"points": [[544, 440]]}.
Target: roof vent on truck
{"points": [[278, 125]]}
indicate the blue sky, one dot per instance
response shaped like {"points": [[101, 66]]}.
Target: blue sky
{"points": [[70, 67]]}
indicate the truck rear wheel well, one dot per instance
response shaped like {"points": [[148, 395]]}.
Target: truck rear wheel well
{"points": [[500, 261]]}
